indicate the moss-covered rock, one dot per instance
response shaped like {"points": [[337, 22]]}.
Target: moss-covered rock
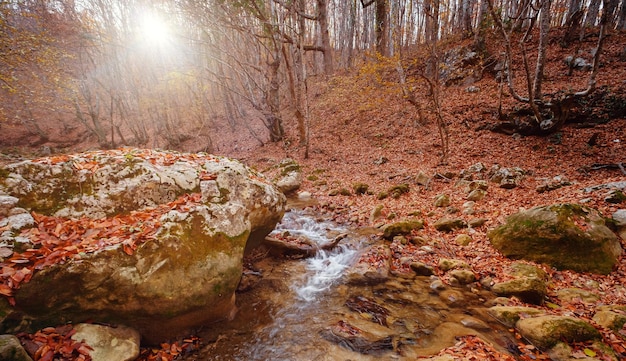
{"points": [[290, 176], [509, 315], [360, 188], [546, 331], [565, 236], [612, 317], [398, 190], [447, 264], [401, 228], [528, 289], [449, 224]]}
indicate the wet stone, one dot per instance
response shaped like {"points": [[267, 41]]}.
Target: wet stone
{"points": [[422, 269]]}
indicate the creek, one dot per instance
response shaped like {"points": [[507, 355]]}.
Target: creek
{"points": [[301, 309]]}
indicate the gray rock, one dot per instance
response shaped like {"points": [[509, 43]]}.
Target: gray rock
{"points": [[290, 178], [474, 323], [437, 285], [619, 217], [6, 204], [506, 177], [11, 349], [565, 236], [119, 343], [615, 196], [546, 331], [477, 184], [17, 221]]}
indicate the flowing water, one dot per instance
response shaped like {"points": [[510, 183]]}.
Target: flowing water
{"points": [[301, 310]]}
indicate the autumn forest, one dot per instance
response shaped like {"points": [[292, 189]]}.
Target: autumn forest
{"points": [[425, 127]]}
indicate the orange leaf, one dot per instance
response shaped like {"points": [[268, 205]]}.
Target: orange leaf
{"points": [[127, 249]]}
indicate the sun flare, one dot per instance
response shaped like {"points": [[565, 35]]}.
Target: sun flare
{"points": [[154, 30]]}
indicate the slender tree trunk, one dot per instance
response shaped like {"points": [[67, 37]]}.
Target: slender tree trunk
{"points": [[322, 17], [544, 28], [382, 27]]}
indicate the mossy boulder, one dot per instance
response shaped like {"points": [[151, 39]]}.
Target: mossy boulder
{"points": [[205, 212], [401, 228], [565, 236], [545, 332]]}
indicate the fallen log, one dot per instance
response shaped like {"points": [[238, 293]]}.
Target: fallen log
{"points": [[300, 246]]}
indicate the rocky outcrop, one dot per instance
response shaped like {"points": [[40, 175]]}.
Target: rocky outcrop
{"points": [[153, 240], [565, 236]]}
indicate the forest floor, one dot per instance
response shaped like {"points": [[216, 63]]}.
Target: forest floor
{"points": [[362, 130]]}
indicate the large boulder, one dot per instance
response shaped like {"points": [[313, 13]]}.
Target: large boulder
{"points": [[152, 240], [565, 236]]}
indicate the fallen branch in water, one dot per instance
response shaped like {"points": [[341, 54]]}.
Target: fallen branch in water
{"points": [[300, 246]]}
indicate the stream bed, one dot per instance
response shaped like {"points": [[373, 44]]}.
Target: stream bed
{"points": [[301, 309]]}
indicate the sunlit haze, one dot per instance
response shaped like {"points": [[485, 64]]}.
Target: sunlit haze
{"points": [[154, 30]]}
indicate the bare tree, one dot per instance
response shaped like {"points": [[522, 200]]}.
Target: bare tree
{"points": [[548, 115]]}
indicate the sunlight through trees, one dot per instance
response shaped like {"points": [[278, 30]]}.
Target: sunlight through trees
{"points": [[163, 73]]}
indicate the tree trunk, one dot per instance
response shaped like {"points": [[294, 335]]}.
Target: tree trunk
{"points": [[544, 28], [382, 27], [592, 13], [272, 117], [322, 17]]}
